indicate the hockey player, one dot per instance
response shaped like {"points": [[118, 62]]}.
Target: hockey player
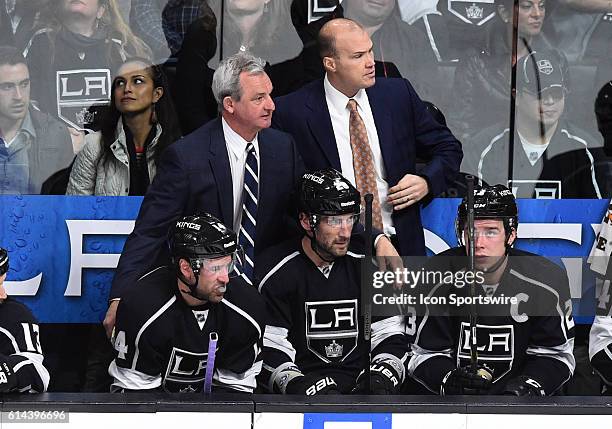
{"points": [[524, 329], [21, 357], [313, 342], [165, 325], [600, 337]]}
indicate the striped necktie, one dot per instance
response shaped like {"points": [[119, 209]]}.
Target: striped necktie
{"points": [[248, 223]]}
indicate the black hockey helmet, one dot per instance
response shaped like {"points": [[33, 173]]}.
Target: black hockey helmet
{"points": [[490, 202], [4, 261], [327, 193], [199, 237]]}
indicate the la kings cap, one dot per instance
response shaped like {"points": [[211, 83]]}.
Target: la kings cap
{"points": [[541, 70]]}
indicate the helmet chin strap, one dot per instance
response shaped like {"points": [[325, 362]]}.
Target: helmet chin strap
{"points": [[192, 287]]}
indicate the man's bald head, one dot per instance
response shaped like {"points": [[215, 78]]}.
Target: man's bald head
{"points": [[329, 32]]}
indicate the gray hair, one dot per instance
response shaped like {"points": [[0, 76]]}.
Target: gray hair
{"points": [[226, 80]]}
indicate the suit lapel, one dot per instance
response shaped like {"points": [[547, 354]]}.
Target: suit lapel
{"points": [[267, 175], [384, 124], [320, 124], [219, 163]]}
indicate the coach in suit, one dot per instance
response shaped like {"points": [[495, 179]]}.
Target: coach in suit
{"points": [[205, 171], [329, 129]]}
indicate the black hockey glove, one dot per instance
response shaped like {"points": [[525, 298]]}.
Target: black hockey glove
{"points": [[312, 384], [467, 381], [524, 386], [385, 378], [8, 379]]}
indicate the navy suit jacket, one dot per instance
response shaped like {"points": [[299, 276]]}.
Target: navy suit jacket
{"points": [[405, 129], [194, 176]]}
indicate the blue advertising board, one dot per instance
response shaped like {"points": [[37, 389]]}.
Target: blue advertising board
{"points": [[63, 249]]}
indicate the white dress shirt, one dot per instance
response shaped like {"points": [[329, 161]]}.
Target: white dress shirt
{"points": [[339, 115], [236, 151]]}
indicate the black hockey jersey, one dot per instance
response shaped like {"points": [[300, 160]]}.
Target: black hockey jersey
{"points": [[161, 342], [72, 75], [315, 321], [532, 335], [20, 347]]}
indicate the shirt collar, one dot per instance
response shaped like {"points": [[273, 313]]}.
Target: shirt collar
{"points": [[236, 144], [339, 100], [27, 125]]}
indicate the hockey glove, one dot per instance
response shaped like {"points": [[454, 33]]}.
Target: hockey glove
{"points": [[524, 386], [385, 378], [312, 384], [467, 381], [8, 379]]}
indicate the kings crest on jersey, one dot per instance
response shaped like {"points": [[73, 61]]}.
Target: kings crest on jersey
{"points": [[495, 347], [185, 372], [79, 95], [472, 12], [332, 329]]}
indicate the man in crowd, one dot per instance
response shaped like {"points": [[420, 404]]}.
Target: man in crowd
{"points": [[33, 145], [186, 326], [21, 357], [551, 158], [371, 130], [522, 314], [313, 343]]}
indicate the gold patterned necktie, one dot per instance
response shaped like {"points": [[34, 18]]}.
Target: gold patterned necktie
{"points": [[363, 162]]}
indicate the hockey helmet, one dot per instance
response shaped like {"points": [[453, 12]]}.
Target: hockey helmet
{"points": [[198, 237], [4, 261], [327, 193], [490, 202]]}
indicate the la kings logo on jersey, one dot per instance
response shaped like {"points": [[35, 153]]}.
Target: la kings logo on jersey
{"points": [[495, 347], [332, 329], [78, 91], [475, 12], [185, 372]]}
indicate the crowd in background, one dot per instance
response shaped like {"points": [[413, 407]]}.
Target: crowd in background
{"points": [[459, 56]]}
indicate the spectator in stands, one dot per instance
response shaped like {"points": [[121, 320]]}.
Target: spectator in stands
{"points": [[72, 56], [17, 20], [33, 145], [424, 15], [581, 29], [121, 159], [195, 102], [177, 16], [21, 357], [261, 27], [603, 112], [551, 158], [481, 89]]}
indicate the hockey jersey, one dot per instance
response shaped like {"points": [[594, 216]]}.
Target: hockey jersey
{"points": [[20, 347], [532, 334], [315, 318], [600, 337], [162, 343], [71, 74]]}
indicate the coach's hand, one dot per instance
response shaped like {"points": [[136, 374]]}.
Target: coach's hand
{"points": [[109, 319], [408, 191]]}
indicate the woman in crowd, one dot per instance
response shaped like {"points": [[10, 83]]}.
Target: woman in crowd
{"points": [[72, 55], [140, 122]]}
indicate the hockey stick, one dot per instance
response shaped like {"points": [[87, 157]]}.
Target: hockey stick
{"points": [[366, 286], [4, 261], [471, 267], [210, 362]]}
